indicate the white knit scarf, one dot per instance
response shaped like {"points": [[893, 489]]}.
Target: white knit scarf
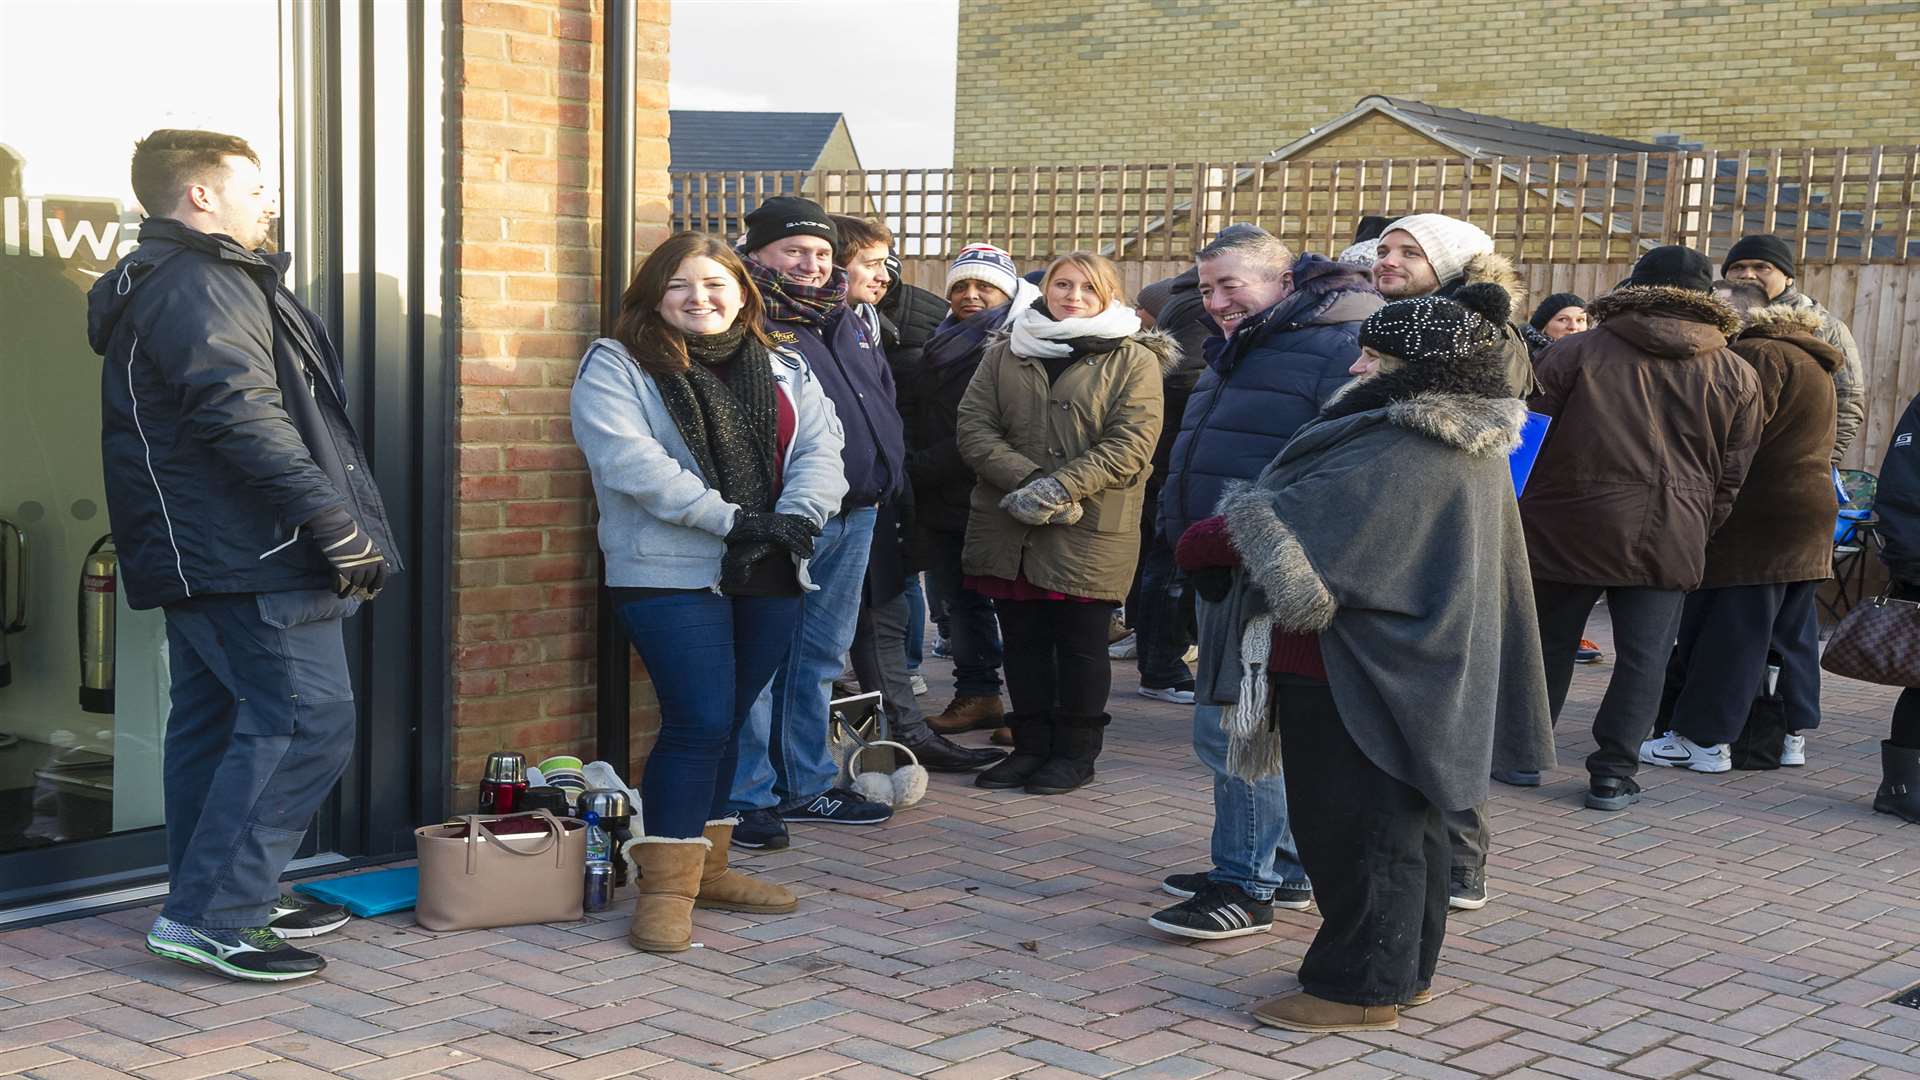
{"points": [[1037, 337]]}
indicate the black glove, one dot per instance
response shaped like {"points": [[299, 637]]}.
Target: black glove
{"points": [[1213, 583], [737, 565], [361, 567], [790, 531]]}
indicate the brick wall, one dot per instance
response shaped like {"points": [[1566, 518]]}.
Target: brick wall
{"points": [[1154, 80], [526, 82]]}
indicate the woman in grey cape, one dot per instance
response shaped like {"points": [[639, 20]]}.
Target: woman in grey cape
{"points": [[1387, 631]]}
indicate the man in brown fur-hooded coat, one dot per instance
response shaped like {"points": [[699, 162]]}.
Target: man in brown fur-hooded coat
{"points": [[1655, 421]]}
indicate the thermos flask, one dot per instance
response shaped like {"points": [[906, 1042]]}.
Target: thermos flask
{"points": [[503, 785]]}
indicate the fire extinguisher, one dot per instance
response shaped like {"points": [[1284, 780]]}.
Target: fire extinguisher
{"points": [[99, 606], [13, 592]]}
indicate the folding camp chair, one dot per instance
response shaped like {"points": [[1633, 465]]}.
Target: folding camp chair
{"points": [[1856, 539]]}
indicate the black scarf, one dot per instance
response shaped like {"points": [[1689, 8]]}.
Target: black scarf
{"points": [[955, 340], [732, 427]]}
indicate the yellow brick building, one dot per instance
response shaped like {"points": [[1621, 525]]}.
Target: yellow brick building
{"points": [[1152, 80]]}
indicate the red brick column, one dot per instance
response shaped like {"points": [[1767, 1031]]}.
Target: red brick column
{"points": [[526, 88]]}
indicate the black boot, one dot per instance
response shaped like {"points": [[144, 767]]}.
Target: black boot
{"points": [[937, 754], [1076, 742], [1899, 792], [1032, 744]]}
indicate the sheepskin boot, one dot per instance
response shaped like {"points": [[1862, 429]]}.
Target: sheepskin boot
{"points": [[731, 890], [1899, 792], [1077, 741], [670, 872], [1032, 745]]}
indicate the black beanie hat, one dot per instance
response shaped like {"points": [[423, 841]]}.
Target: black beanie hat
{"points": [[1674, 266], [1762, 247], [1435, 328], [1554, 305], [1371, 227], [788, 215]]}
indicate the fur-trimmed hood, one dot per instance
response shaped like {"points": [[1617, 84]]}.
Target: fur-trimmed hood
{"points": [[1492, 268], [1667, 321], [1799, 325]]}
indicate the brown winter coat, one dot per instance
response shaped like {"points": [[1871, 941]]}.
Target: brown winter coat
{"points": [[1094, 431], [1654, 423], [1781, 528]]}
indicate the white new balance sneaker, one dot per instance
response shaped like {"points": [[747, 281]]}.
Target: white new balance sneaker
{"points": [[1675, 751], [1794, 751]]}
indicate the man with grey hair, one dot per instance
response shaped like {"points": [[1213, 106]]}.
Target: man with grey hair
{"points": [[1288, 330]]}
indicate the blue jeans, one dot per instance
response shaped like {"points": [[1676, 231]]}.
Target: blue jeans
{"points": [[784, 758], [916, 623], [689, 640], [1252, 844], [261, 726]]}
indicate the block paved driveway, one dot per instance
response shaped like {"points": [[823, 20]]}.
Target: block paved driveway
{"points": [[1732, 926]]}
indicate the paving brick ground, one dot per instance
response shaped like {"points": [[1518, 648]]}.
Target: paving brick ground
{"points": [[1734, 926]]}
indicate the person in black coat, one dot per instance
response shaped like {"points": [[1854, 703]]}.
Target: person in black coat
{"points": [[1897, 505]]}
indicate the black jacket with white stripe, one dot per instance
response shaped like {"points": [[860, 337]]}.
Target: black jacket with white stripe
{"points": [[223, 422]]}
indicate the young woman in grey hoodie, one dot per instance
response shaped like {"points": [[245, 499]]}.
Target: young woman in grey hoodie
{"points": [[716, 461]]}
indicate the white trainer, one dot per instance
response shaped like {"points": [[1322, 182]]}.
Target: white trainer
{"points": [[1794, 751], [1127, 648], [1175, 695], [1675, 751]]}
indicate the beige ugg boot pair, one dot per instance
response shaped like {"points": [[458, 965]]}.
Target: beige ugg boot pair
{"points": [[676, 876]]}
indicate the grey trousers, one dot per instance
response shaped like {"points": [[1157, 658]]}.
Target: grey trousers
{"points": [[1467, 836], [879, 656]]}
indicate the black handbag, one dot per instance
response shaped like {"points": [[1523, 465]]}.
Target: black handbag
{"points": [[1765, 736]]}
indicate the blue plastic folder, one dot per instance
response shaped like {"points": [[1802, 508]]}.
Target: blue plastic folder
{"points": [[374, 893], [1532, 434]]}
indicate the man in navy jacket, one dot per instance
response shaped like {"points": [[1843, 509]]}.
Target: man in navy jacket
{"points": [[242, 505]]}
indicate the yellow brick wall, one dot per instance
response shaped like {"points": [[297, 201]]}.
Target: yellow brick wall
{"points": [[1157, 80]]}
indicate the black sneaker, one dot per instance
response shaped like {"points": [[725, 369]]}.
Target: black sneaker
{"points": [[760, 830], [1217, 911], [255, 954], [1468, 892], [1611, 793], [1184, 885], [838, 806], [292, 917], [1293, 897]]}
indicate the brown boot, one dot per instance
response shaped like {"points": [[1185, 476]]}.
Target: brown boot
{"points": [[669, 880], [969, 713], [731, 890], [1002, 736], [1301, 1011]]}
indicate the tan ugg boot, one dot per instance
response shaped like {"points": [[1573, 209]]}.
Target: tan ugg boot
{"points": [[731, 890], [669, 880], [1301, 1011]]}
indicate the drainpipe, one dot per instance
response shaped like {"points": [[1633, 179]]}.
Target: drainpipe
{"points": [[613, 743]]}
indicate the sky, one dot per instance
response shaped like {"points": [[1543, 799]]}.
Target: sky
{"points": [[887, 64]]}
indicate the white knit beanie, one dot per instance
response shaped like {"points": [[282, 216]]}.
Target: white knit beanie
{"points": [[1449, 243], [984, 262]]}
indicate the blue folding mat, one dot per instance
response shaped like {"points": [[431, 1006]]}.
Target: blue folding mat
{"points": [[1532, 434], [376, 892]]}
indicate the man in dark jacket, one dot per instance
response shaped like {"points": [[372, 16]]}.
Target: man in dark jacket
{"points": [[1764, 565], [242, 505], [786, 771], [1767, 261], [1655, 422], [1897, 505], [1290, 332]]}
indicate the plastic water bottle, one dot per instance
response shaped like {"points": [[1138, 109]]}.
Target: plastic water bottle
{"points": [[599, 880]]}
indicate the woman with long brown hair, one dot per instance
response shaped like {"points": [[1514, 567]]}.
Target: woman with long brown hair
{"points": [[1058, 425], [716, 461]]}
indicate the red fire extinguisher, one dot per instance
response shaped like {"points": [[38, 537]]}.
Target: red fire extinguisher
{"points": [[99, 606]]}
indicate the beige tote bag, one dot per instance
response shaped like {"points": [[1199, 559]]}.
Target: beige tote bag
{"points": [[481, 880]]}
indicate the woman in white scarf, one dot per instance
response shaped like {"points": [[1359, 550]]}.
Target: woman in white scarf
{"points": [[1059, 425]]}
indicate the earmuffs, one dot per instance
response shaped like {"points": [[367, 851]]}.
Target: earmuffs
{"points": [[899, 789]]}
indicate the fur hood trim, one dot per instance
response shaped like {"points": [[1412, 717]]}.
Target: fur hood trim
{"points": [[1476, 425], [1665, 299], [1297, 596], [1780, 320], [1497, 269], [1164, 346]]}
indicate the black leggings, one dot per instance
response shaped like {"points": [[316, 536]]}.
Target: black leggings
{"points": [[1055, 658], [1906, 710]]}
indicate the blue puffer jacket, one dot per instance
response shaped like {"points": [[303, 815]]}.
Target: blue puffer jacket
{"points": [[1263, 383]]}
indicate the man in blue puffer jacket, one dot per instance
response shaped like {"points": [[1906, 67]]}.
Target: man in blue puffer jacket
{"points": [[1290, 330]]}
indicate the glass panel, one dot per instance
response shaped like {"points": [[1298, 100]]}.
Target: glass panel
{"points": [[83, 678]]}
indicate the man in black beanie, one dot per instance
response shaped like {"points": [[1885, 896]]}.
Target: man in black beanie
{"points": [[786, 770], [1654, 423], [1767, 261]]}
